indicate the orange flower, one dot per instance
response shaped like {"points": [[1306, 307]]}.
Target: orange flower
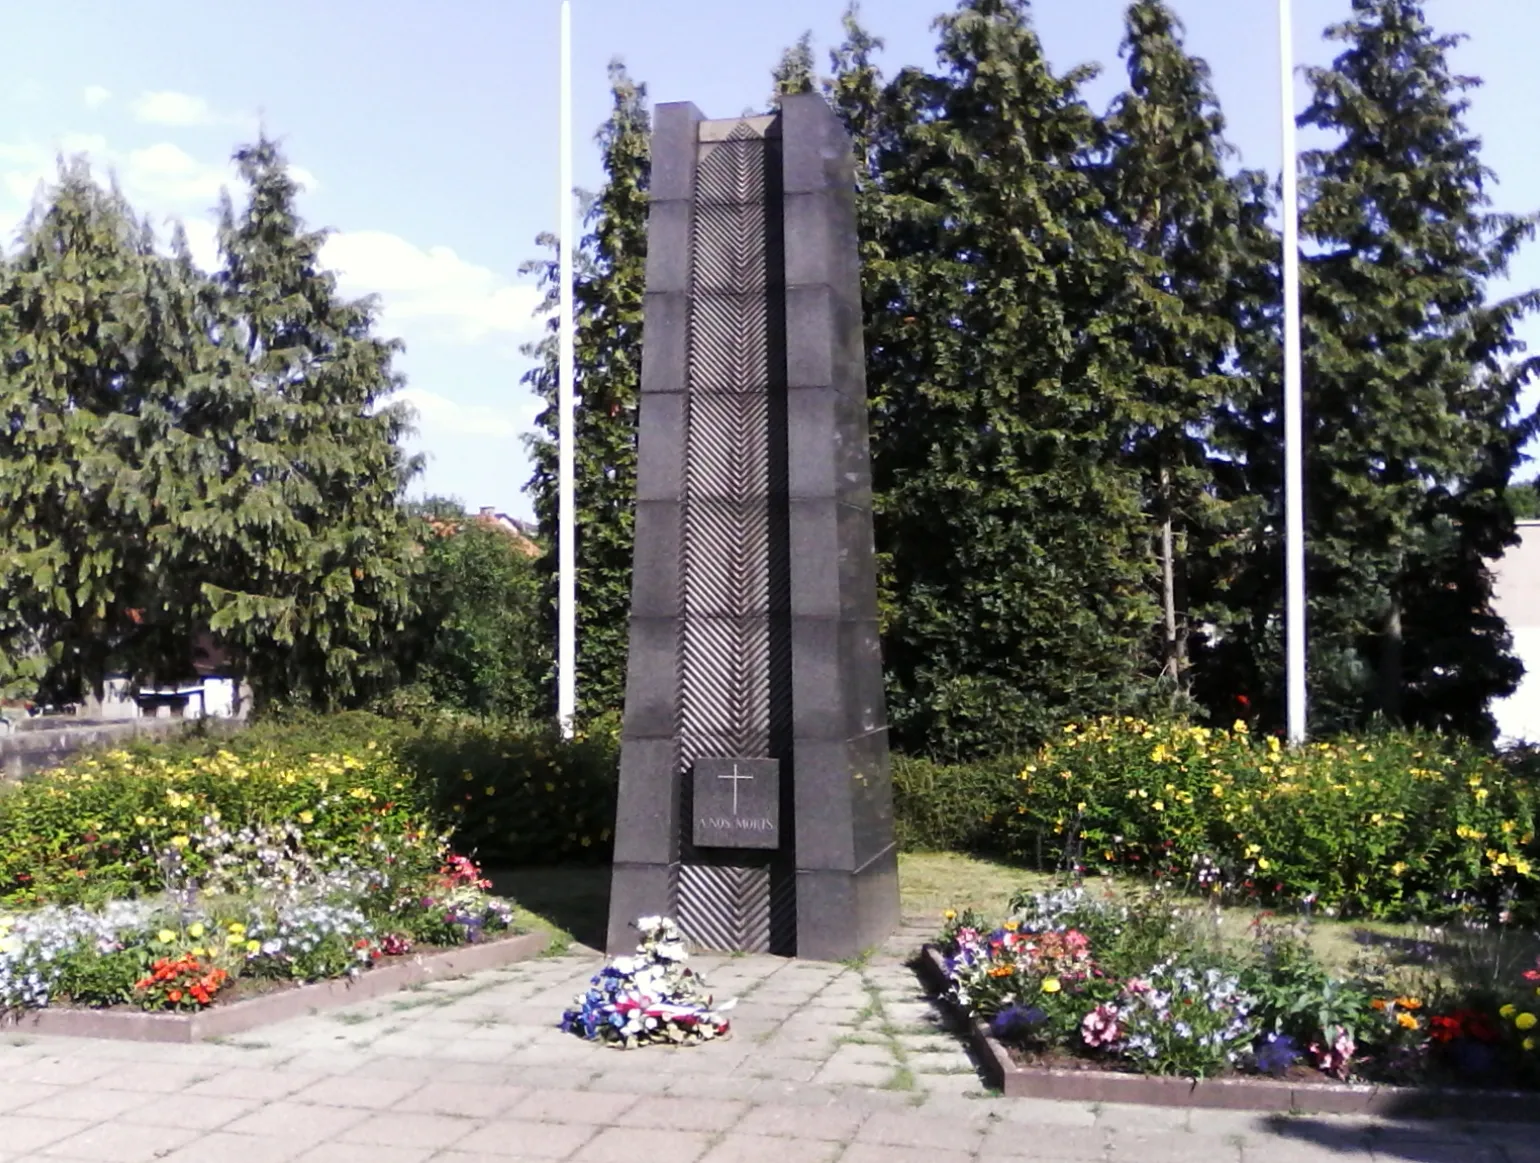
{"points": [[1001, 971], [174, 996], [1409, 1003], [1407, 1022], [1377, 1004]]}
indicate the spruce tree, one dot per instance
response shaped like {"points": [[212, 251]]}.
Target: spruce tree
{"points": [[610, 282], [299, 469], [1169, 196], [1010, 520], [795, 72], [1411, 384], [73, 554]]}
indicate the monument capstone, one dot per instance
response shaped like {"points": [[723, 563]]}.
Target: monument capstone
{"points": [[755, 798]]}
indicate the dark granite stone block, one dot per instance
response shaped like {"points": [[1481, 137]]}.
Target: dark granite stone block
{"points": [[815, 557], [655, 576], [816, 154], [818, 687], [652, 679], [660, 444], [675, 133], [668, 247], [824, 824], [648, 802], [860, 665], [665, 343]]}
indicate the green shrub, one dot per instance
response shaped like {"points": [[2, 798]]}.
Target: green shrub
{"points": [[100, 827], [518, 796], [1395, 824], [939, 807]]}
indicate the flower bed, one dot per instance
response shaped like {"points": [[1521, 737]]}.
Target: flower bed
{"points": [[1075, 985], [141, 897]]}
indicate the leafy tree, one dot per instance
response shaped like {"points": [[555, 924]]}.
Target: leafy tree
{"points": [[1010, 519], [73, 552], [610, 280], [1524, 500], [1412, 384], [297, 465], [478, 640], [1169, 196]]}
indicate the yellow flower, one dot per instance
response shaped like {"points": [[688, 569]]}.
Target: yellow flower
{"points": [[1263, 864], [197, 951], [1508, 1010], [165, 936], [1398, 868], [253, 946], [307, 817], [950, 914], [1406, 1021], [1529, 1043], [179, 841], [195, 930], [1525, 1021], [1051, 985], [237, 929], [1159, 805], [1011, 926]]}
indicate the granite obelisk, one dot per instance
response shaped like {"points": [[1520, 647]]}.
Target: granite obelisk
{"points": [[755, 795]]}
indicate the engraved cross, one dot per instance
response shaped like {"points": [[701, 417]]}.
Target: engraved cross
{"points": [[737, 779]]}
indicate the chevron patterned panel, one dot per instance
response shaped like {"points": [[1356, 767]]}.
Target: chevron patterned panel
{"points": [[730, 447], [729, 346], [726, 648], [732, 171], [725, 908]]}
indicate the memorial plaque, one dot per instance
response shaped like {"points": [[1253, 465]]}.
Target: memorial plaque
{"points": [[737, 803]]}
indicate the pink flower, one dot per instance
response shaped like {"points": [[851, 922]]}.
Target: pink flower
{"points": [[1100, 1026], [1334, 1060]]}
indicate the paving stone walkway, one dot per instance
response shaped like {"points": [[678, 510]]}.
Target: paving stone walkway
{"points": [[828, 1064]]}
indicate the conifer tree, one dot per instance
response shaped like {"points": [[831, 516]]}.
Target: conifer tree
{"points": [[73, 517], [1412, 383], [1012, 525], [610, 280], [298, 467], [1170, 197], [795, 72]]}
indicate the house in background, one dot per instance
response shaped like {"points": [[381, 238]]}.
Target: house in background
{"points": [[1516, 596], [209, 693]]}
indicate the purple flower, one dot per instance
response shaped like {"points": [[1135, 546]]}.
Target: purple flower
{"points": [[1017, 1021], [1276, 1053]]}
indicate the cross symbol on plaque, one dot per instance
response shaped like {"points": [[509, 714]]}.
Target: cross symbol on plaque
{"points": [[737, 779]]}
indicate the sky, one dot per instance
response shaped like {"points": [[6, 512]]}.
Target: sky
{"points": [[426, 137]]}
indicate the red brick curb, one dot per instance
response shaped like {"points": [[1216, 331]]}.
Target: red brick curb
{"points": [[1259, 1094], [222, 1020]]}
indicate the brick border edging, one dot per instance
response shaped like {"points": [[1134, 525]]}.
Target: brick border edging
{"points": [[1258, 1094], [222, 1021]]}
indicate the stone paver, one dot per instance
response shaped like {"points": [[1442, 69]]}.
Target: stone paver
{"points": [[828, 1064]]}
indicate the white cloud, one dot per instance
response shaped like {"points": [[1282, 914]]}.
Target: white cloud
{"points": [[96, 96], [456, 298], [439, 416], [168, 107], [167, 173]]}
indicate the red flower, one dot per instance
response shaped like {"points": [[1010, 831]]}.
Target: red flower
{"points": [[1243, 701], [174, 996], [1443, 1029]]}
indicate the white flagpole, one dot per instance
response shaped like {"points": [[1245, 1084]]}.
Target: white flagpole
{"points": [[1293, 406], [566, 555]]}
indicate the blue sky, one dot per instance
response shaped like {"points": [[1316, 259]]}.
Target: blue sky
{"points": [[426, 135]]}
